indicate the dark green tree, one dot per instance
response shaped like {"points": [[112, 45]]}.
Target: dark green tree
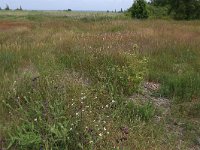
{"points": [[185, 9], [139, 9], [159, 2], [20, 8], [7, 7]]}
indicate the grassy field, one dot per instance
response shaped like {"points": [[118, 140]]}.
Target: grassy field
{"points": [[74, 80]]}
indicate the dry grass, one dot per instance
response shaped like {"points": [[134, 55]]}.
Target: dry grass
{"points": [[74, 64]]}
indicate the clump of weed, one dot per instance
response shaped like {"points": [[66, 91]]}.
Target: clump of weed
{"points": [[120, 73], [133, 112], [8, 61], [41, 116]]}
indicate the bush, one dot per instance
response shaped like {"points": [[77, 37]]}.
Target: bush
{"points": [[139, 10], [158, 11]]}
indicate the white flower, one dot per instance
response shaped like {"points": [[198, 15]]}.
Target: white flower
{"points": [[77, 114], [106, 106], [83, 110], [104, 129], [35, 119], [70, 129], [113, 101], [100, 134], [91, 142], [108, 132], [84, 97]]}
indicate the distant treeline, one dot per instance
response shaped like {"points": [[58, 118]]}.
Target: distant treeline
{"points": [[178, 9], [8, 8]]}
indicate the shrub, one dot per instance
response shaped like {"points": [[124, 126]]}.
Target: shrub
{"points": [[157, 11], [139, 9]]}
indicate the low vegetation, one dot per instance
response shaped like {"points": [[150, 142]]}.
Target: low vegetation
{"points": [[74, 80]]}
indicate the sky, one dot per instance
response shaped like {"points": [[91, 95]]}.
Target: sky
{"points": [[68, 4]]}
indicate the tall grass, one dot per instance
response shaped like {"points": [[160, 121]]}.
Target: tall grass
{"points": [[66, 84]]}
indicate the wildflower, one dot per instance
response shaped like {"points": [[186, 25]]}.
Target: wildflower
{"points": [[84, 97], [113, 101], [70, 129], [83, 110], [108, 132], [35, 119], [91, 142], [77, 114], [104, 129], [106, 106], [72, 104], [100, 134]]}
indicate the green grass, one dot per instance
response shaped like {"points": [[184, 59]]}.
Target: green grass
{"points": [[67, 77]]}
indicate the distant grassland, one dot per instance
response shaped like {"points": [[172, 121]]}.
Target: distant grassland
{"points": [[68, 81], [38, 15]]}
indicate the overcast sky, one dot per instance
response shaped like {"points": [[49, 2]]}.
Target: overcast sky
{"points": [[65, 4]]}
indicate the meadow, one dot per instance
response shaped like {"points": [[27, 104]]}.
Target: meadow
{"points": [[96, 80]]}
